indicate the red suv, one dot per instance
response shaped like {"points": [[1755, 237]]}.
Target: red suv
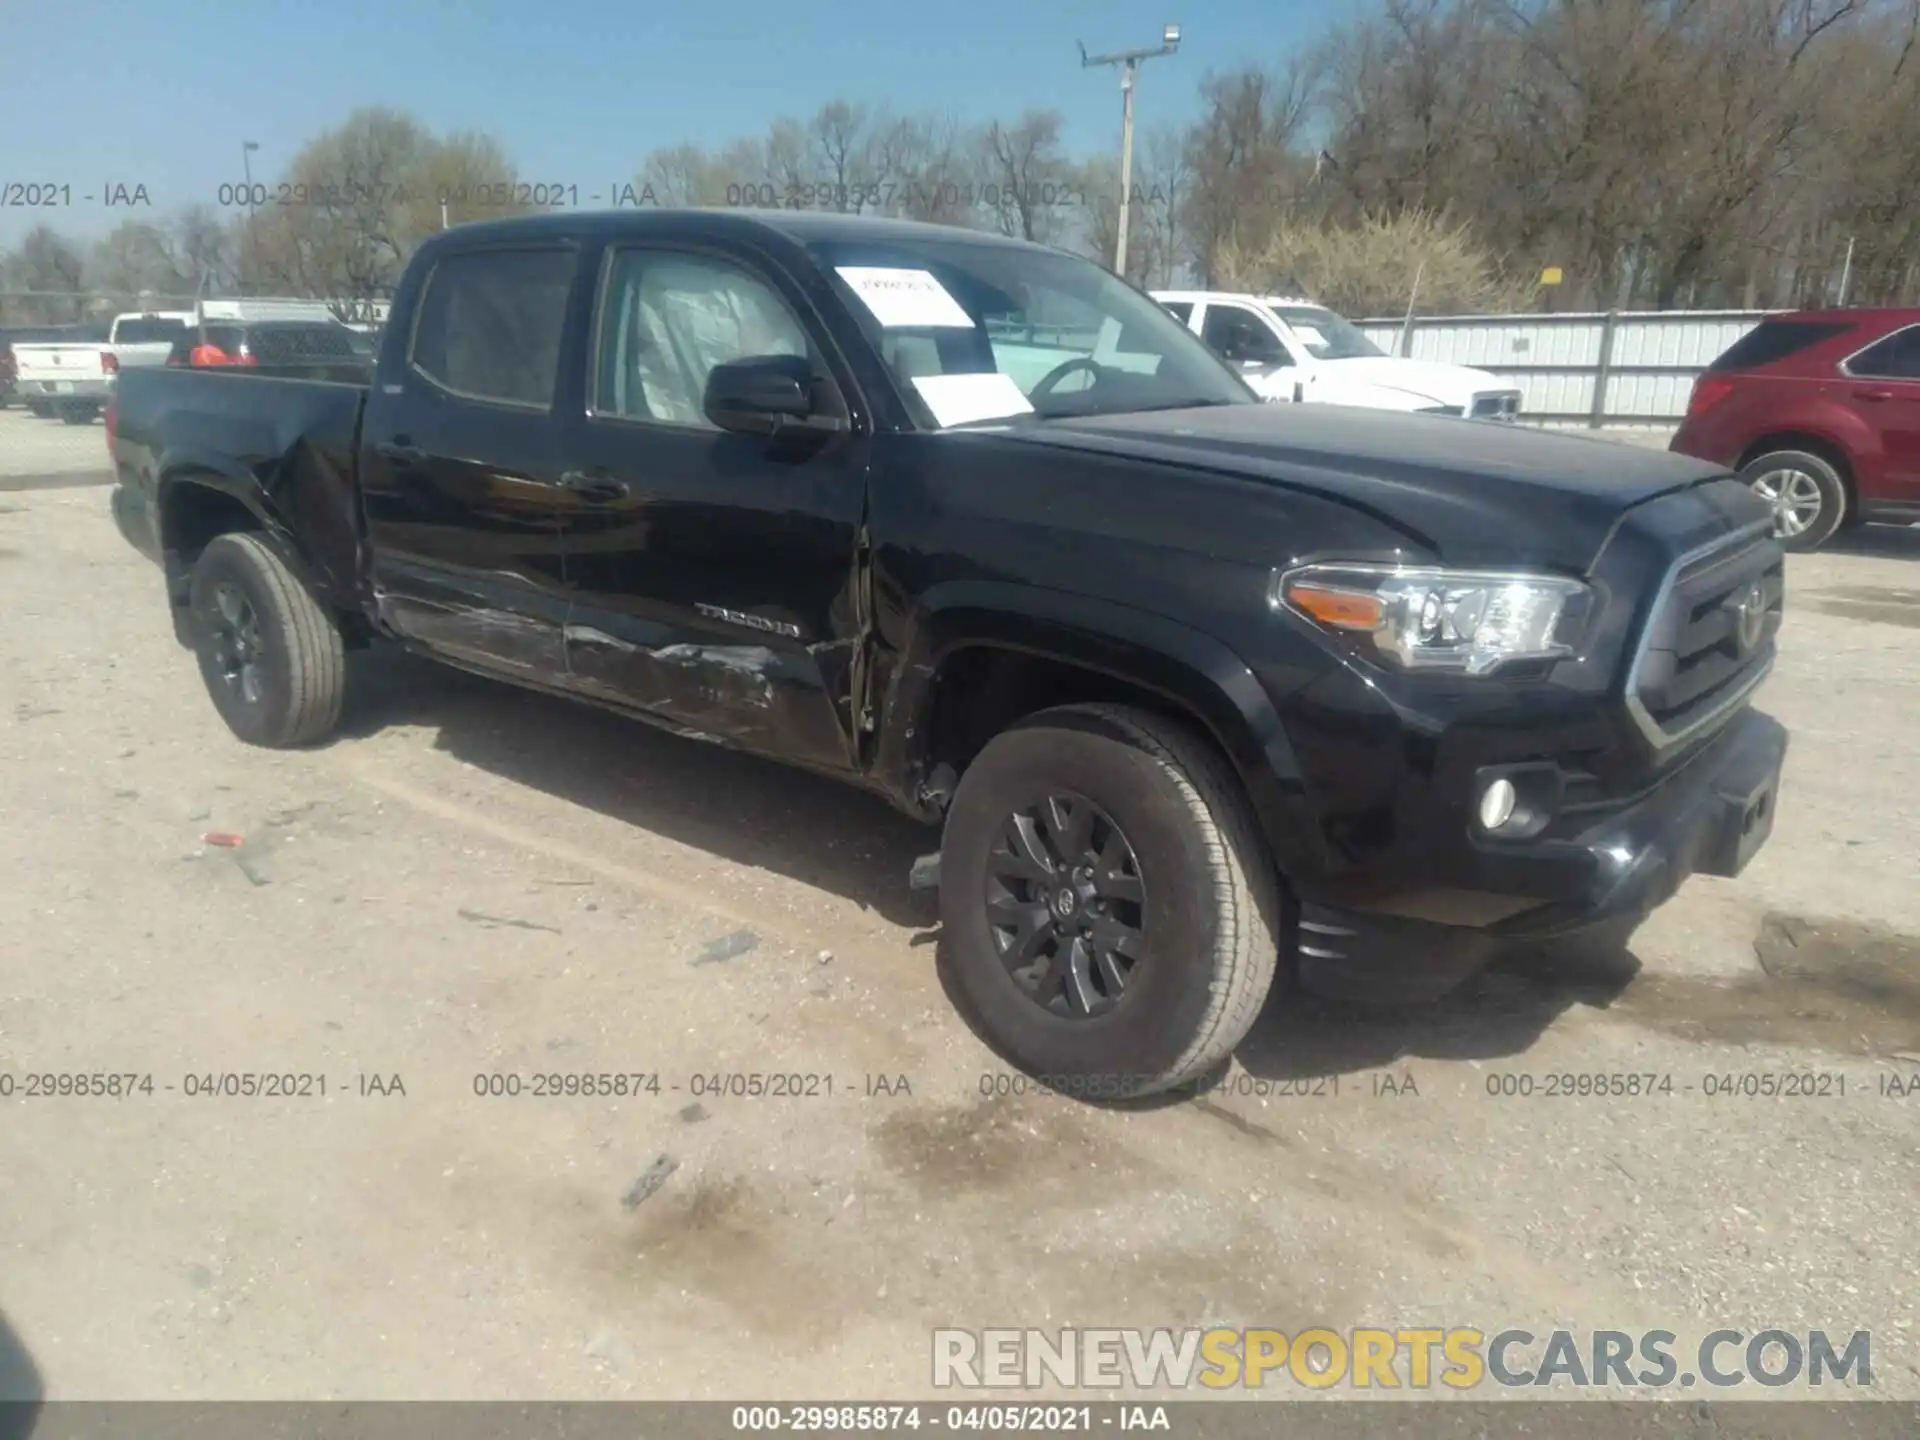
{"points": [[1819, 411]]}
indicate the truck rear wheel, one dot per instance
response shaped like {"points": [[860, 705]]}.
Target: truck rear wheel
{"points": [[271, 657], [1110, 912], [79, 414]]}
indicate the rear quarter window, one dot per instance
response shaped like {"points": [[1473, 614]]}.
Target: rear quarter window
{"points": [[1772, 341]]}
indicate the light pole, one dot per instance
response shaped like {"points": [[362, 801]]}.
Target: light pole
{"points": [[247, 147], [1129, 63]]}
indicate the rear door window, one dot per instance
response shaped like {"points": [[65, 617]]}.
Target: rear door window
{"points": [[490, 324], [1895, 358], [1772, 341]]}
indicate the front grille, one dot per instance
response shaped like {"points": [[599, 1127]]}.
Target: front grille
{"points": [[1502, 406], [1700, 654]]}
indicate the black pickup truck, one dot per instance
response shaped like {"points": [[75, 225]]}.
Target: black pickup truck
{"points": [[1201, 689]]}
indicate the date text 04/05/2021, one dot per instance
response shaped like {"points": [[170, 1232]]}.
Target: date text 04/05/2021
{"points": [[1015, 1419], [198, 1084]]}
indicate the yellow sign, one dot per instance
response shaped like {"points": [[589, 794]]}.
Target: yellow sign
{"points": [[1551, 275]]}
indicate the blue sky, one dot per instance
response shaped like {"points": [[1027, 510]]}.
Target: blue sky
{"points": [[161, 93]]}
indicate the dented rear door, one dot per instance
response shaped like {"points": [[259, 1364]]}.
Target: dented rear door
{"points": [[461, 464]]}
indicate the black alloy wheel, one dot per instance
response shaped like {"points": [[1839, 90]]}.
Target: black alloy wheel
{"points": [[1067, 905], [233, 638]]}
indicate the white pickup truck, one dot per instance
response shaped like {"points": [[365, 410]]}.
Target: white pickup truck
{"points": [[73, 379], [1293, 349]]}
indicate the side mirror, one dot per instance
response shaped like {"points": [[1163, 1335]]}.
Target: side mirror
{"points": [[760, 395]]}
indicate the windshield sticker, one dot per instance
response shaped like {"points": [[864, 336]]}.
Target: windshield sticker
{"points": [[1310, 336], [957, 399], [905, 299]]}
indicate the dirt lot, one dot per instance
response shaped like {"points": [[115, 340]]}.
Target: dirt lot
{"points": [[475, 882]]}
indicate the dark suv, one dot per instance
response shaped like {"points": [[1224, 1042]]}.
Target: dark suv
{"points": [[1819, 411]]}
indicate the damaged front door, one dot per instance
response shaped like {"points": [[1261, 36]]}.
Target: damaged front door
{"points": [[712, 573]]}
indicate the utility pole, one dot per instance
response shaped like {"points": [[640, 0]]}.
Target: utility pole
{"points": [[1128, 62], [247, 147]]}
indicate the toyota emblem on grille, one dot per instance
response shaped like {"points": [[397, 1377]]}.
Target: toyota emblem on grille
{"points": [[1750, 617]]}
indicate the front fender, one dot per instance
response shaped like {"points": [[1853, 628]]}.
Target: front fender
{"points": [[1198, 675]]}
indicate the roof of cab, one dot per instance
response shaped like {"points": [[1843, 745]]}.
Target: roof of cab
{"points": [[805, 227]]}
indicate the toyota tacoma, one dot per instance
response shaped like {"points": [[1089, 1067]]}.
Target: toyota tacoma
{"points": [[1201, 691]]}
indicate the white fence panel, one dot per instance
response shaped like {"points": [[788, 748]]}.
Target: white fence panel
{"points": [[1630, 368]]}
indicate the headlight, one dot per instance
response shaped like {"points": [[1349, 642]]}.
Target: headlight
{"points": [[1468, 622]]}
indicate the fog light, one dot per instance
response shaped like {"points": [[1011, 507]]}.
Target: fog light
{"points": [[1496, 804]]}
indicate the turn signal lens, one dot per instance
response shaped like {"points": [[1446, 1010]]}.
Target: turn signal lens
{"points": [[1342, 609]]}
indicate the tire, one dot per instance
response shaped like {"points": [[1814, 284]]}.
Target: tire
{"points": [[1207, 915], [294, 654], [79, 414], [1808, 496]]}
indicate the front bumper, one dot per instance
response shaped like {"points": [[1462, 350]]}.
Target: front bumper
{"points": [[1708, 818]]}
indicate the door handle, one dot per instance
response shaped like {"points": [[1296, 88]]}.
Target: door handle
{"points": [[594, 485], [400, 452], [1873, 394]]}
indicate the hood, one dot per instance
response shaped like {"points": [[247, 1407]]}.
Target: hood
{"points": [[1464, 492], [1422, 382]]}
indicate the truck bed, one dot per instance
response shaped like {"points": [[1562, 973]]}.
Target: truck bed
{"points": [[285, 440]]}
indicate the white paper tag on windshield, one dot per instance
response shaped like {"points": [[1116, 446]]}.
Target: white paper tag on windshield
{"points": [[903, 299], [956, 399], [1309, 336]]}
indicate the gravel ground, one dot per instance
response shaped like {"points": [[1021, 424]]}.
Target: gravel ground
{"points": [[49, 447], [472, 881]]}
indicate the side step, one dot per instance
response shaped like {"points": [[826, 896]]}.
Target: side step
{"points": [[925, 874]]}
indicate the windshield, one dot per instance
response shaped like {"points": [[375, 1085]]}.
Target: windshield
{"points": [[144, 331], [1326, 335], [975, 331]]}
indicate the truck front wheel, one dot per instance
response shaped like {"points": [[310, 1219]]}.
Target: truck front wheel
{"points": [[1110, 912], [271, 657]]}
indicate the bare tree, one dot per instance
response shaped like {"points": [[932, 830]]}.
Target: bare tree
{"points": [[923, 169], [358, 198], [135, 256], [1240, 156], [1023, 174], [52, 267]]}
